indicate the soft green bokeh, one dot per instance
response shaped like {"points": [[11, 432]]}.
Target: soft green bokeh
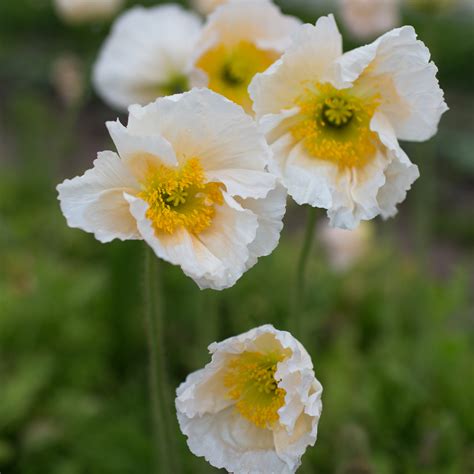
{"points": [[392, 338]]}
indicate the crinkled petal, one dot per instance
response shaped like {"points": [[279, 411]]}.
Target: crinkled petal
{"points": [[232, 231], [310, 57], [400, 174], [229, 441], [398, 66], [94, 202], [270, 211], [349, 195], [216, 258]]}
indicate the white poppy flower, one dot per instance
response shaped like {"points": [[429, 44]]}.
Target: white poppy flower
{"points": [[78, 11], [147, 55], [333, 119], [240, 39], [255, 407], [367, 18], [190, 179]]}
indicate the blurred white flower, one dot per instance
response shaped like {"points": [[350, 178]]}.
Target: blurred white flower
{"points": [[67, 76], [79, 11], [368, 18], [190, 179], [147, 55], [346, 247], [333, 119], [255, 407], [240, 39], [207, 6]]}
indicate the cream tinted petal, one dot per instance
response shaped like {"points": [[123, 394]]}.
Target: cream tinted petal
{"points": [[359, 200], [243, 183], [205, 125], [300, 414], [311, 181], [215, 258], [180, 248], [139, 152], [94, 201], [269, 211], [146, 49], [291, 447], [400, 69], [305, 60], [232, 231], [257, 21], [230, 442], [203, 392], [348, 195], [399, 179], [400, 174], [111, 218]]}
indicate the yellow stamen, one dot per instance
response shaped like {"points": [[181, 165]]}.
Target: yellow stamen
{"points": [[250, 378], [335, 125], [230, 68], [179, 197]]}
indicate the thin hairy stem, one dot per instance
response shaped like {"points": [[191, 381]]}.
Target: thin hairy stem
{"points": [[297, 310]]}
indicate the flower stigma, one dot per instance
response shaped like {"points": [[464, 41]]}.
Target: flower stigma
{"points": [[335, 125], [250, 378], [180, 198]]}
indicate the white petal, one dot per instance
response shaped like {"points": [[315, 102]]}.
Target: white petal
{"points": [[203, 392], [357, 196], [401, 71], [230, 442], [349, 196], [146, 49], [401, 172], [94, 202], [270, 211], [217, 257], [309, 180], [310, 57], [232, 231], [180, 248], [202, 124], [259, 22], [137, 151]]}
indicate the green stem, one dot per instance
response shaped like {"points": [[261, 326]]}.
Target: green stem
{"points": [[297, 310], [157, 367]]}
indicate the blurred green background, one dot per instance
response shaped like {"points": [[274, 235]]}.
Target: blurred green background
{"points": [[391, 335]]}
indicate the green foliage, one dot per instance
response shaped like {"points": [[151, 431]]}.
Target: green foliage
{"points": [[392, 339]]}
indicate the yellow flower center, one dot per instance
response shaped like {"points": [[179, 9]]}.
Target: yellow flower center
{"points": [[250, 378], [230, 68], [179, 197], [335, 125]]}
